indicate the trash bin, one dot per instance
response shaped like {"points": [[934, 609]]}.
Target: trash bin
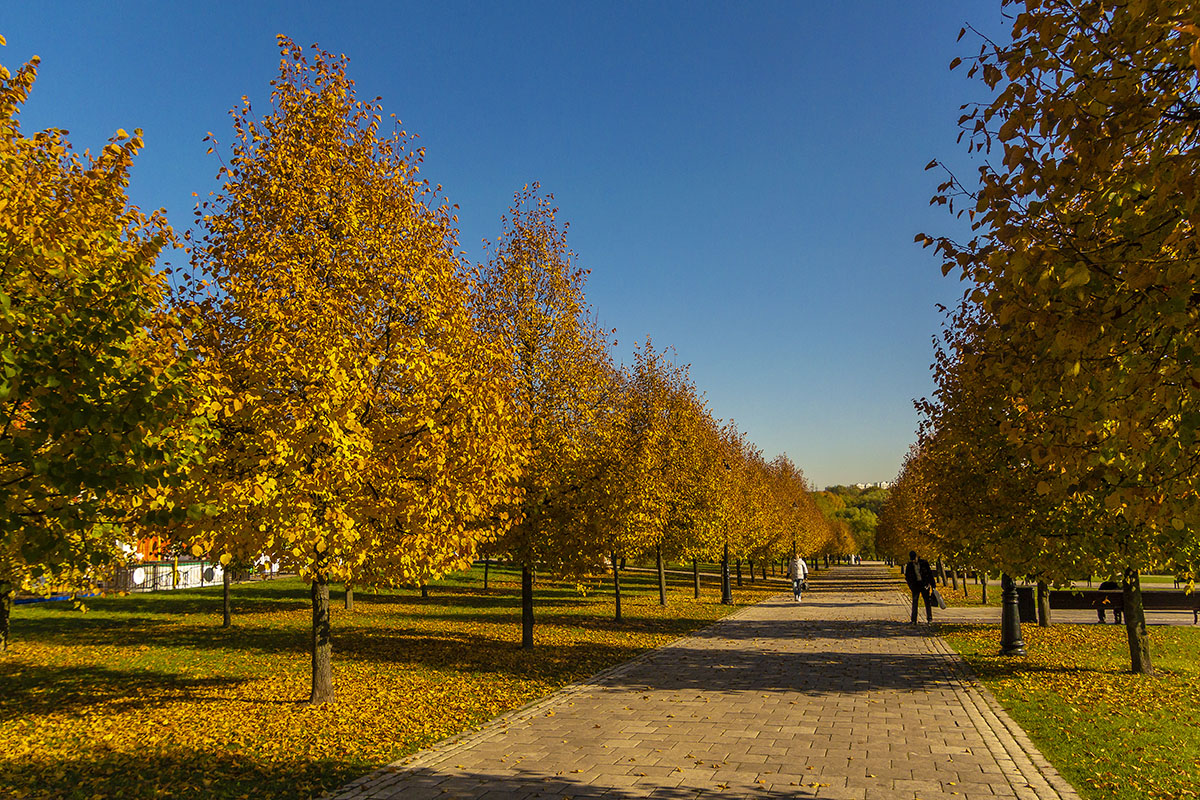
{"points": [[1026, 604]]}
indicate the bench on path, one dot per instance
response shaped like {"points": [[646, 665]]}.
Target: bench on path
{"points": [[1114, 600]]}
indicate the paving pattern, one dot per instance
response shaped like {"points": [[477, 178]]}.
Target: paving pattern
{"points": [[834, 697]]}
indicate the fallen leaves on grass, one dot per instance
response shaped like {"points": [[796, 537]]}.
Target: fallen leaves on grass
{"points": [[143, 702], [1113, 734]]}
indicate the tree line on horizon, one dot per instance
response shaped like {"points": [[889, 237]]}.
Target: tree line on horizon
{"points": [[1061, 439], [328, 385]]}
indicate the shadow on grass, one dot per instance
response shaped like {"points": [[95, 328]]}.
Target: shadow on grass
{"points": [[76, 689], [194, 774], [191, 618], [182, 773], [407, 643], [257, 597]]}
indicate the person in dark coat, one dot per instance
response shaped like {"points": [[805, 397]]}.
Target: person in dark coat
{"points": [[1100, 606], [919, 577]]}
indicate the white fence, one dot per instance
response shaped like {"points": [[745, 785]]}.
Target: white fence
{"points": [[158, 576]]}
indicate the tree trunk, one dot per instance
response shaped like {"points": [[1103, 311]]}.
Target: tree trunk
{"points": [[226, 604], [349, 598], [424, 591], [486, 562], [739, 573], [953, 578], [764, 570], [750, 564], [983, 588], [696, 577], [6, 594], [941, 570], [526, 607], [1135, 623], [616, 587], [322, 646], [726, 593], [662, 576], [1043, 604]]}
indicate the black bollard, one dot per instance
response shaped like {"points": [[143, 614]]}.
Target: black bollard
{"points": [[1011, 643]]}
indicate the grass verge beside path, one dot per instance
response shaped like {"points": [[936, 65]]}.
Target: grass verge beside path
{"points": [[146, 696], [1113, 735]]}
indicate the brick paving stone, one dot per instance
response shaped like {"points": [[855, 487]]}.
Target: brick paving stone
{"points": [[836, 698]]}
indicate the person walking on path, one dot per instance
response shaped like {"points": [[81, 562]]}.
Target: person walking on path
{"points": [[1100, 606], [798, 572], [919, 577]]}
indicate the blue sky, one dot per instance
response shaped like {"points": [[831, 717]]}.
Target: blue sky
{"points": [[744, 180]]}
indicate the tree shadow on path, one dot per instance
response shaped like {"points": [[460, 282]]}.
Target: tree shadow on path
{"points": [[772, 668], [431, 783]]}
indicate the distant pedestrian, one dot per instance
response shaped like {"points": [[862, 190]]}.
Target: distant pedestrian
{"points": [[798, 572], [1109, 585], [919, 577]]}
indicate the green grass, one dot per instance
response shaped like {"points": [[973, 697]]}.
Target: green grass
{"points": [[1113, 735], [973, 594], [146, 696]]}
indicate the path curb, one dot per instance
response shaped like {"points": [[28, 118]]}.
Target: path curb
{"points": [[1032, 775]]}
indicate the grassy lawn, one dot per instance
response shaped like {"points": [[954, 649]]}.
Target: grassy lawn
{"points": [[146, 696], [1113, 735], [973, 594]]}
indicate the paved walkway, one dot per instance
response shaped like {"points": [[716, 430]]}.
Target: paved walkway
{"points": [[835, 697]]}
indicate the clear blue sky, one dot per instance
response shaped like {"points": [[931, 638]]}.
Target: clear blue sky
{"points": [[744, 180]]}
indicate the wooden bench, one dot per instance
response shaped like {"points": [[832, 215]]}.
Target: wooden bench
{"points": [[1114, 600]]}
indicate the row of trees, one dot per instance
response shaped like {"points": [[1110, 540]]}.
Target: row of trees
{"points": [[328, 385], [1061, 441]]}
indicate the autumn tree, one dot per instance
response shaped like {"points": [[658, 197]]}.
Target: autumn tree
{"points": [[903, 520], [1085, 255], [743, 499], [655, 481], [364, 421], [530, 300], [97, 418], [697, 516], [803, 530]]}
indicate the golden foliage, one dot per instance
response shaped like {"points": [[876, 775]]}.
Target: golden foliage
{"points": [[96, 413], [365, 423], [1085, 262], [530, 300]]}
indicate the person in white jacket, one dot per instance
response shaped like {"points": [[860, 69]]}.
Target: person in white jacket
{"points": [[798, 571]]}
